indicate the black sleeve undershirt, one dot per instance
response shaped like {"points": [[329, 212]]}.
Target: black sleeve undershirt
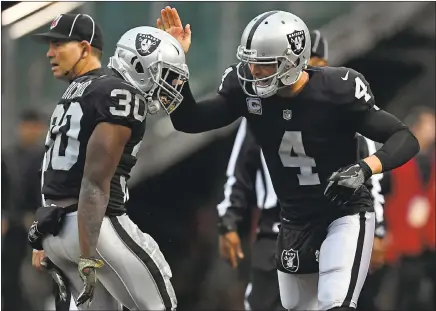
{"points": [[206, 115], [399, 144]]}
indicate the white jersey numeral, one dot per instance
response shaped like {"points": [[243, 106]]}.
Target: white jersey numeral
{"points": [[63, 151], [361, 90], [125, 101], [226, 72], [292, 140]]}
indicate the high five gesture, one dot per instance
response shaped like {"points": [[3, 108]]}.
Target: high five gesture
{"points": [[170, 22]]}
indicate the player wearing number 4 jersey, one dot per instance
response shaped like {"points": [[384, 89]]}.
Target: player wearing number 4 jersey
{"points": [[249, 185], [305, 120], [91, 147]]}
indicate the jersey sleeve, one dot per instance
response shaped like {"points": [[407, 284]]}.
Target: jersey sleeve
{"points": [[119, 103], [229, 85], [363, 116], [211, 113], [358, 94], [239, 190]]}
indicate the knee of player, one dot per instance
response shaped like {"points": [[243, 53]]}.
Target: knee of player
{"points": [[289, 290], [327, 299], [290, 301]]}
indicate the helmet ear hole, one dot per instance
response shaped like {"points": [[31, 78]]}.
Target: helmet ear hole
{"points": [[297, 62], [139, 68]]}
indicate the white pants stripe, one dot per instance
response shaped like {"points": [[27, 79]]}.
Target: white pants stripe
{"points": [[135, 273], [343, 265], [246, 295]]}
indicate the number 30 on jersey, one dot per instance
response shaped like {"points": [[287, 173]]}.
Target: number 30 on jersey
{"points": [[62, 139]]}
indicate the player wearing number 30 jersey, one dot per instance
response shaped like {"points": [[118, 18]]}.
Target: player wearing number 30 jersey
{"points": [[305, 120], [91, 147], [90, 99]]}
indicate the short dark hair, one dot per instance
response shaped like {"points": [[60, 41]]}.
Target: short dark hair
{"points": [[415, 114], [31, 115]]}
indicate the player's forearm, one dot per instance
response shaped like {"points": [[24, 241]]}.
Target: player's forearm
{"points": [[93, 201], [397, 150], [374, 163], [399, 144], [193, 117]]}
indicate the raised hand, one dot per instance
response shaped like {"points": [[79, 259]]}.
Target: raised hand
{"points": [[170, 22]]}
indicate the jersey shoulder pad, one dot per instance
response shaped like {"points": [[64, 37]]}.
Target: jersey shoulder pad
{"points": [[104, 85], [229, 81], [117, 101], [341, 82], [346, 85]]}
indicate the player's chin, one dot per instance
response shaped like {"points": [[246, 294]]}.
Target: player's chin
{"points": [[57, 72]]}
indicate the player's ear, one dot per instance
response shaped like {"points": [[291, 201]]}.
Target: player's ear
{"points": [[86, 49]]}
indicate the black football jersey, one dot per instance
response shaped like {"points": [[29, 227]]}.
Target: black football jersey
{"points": [[307, 137], [90, 99], [249, 184]]}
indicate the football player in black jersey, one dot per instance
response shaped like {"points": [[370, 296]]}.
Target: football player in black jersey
{"points": [[92, 144], [249, 184], [305, 121]]}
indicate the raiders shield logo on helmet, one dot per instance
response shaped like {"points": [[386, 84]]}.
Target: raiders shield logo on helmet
{"points": [[297, 40], [146, 44], [290, 260]]}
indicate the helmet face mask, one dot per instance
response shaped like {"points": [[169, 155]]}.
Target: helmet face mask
{"points": [[276, 38], [147, 58], [264, 86], [168, 84]]}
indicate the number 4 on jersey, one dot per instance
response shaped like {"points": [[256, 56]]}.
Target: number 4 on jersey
{"points": [[292, 141], [361, 90]]}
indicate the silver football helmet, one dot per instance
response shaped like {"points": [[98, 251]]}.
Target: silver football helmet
{"points": [[273, 38], [154, 63]]}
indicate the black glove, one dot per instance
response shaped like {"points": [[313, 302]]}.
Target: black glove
{"points": [[346, 182], [35, 237]]}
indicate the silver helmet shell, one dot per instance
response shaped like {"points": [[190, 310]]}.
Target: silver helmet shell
{"points": [[153, 62], [275, 38]]}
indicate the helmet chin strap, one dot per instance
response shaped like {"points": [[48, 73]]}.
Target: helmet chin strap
{"points": [[75, 64]]}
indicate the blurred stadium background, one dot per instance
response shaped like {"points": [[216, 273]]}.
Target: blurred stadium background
{"points": [[178, 180]]}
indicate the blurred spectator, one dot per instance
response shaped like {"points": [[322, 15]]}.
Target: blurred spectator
{"points": [[410, 219], [22, 162]]}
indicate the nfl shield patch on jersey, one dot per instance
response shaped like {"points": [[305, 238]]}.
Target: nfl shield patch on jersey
{"points": [[287, 114], [290, 260]]}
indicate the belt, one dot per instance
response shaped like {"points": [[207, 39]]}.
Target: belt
{"points": [[71, 209]]}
